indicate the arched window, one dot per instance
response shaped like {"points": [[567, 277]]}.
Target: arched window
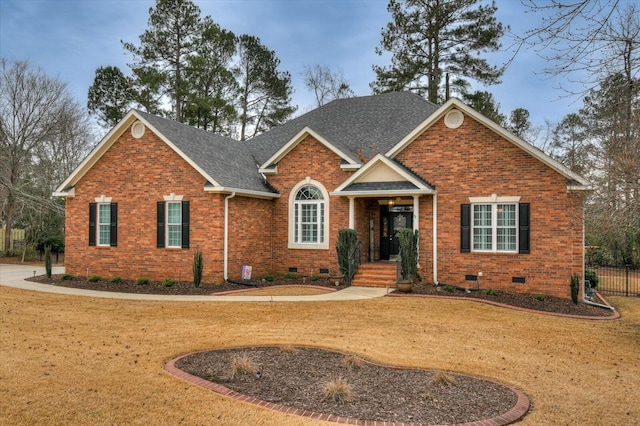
{"points": [[308, 216]]}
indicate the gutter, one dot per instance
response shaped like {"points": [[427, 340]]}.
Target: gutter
{"points": [[226, 234], [435, 239]]}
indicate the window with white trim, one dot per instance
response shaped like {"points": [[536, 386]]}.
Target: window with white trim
{"points": [[104, 224], [308, 216], [495, 227], [174, 224]]}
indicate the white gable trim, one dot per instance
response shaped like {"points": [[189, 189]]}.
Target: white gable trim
{"points": [[373, 163], [65, 188], [268, 168], [525, 146]]}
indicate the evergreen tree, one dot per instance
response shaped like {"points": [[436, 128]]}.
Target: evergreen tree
{"points": [[265, 92], [431, 38], [167, 44], [110, 96]]}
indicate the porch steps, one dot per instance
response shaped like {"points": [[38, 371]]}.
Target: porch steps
{"points": [[375, 274]]}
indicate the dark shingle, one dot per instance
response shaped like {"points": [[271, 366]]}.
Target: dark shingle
{"points": [[366, 125]]}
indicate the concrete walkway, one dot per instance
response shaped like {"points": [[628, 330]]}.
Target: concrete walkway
{"points": [[14, 276]]}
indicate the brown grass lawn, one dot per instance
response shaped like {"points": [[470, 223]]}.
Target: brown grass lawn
{"points": [[77, 360]]}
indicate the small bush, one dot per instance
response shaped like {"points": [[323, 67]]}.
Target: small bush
{"points": [[142, 281], [242, 365], [115, 280], [443, 379], [575, 288], [290, 276], [338, 390], [352, 362], [168, 282], [539, 297], [94, 278], [66, 277], [314, 278], [269, 277], [449, 288], [198, 267], [592, 277], [490, 292]]}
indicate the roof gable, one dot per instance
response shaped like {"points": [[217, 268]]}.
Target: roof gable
{"points": [[381, 176], [349, 161], [452, 103], [225, 164]]}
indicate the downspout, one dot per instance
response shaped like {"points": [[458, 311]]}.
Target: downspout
{"points": [[584, 268], [226, 233], [435, 239]]}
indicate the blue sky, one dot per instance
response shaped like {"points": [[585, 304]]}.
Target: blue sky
{"points": [[71, 38]]}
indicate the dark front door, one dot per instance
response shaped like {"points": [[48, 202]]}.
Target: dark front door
{"points": [[392, 221]]}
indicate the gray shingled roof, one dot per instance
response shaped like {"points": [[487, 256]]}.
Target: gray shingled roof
{"points": [[226, 160], [373, 124]]}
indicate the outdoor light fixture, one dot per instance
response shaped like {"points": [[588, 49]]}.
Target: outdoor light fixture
{"points": [[390, 202]]}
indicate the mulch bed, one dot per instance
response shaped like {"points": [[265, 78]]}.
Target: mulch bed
{"points": [[296, 377], [179, 288], [527, 301]]}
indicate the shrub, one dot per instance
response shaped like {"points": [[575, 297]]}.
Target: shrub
{"points": [[449, 288], [94, 278], [314, 278], [198, 267], [290, 276], [142, 281], [592, 277], [539, 297], [575, 287], [269, 277], [408, 239], [168, 282], [338, 390], [47, 260], [443, 379], [67, 277], [242, 365], [352, 362], [490, 292], [347, 240], [115, 280]]}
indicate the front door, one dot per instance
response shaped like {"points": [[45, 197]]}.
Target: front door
{"points": [[392, 221]]}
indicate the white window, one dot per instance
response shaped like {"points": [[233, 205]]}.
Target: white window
{"points": [[104, 224], [495, 227], [308, 216], [174, 224]]}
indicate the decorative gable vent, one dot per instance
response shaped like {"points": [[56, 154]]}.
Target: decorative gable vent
{"points": [[454, 119], [137, 129]]}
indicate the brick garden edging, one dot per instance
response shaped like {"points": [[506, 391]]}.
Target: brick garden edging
{"points": [[615, 315], [516, 412]]}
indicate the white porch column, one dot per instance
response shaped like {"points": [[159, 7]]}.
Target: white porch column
{"points": [[416, 213], [352, 213]]}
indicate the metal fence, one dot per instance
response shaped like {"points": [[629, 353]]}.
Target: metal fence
{"points": [[617, 280]]}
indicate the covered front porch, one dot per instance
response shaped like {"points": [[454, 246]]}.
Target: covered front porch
{"points": [[384, 198]]}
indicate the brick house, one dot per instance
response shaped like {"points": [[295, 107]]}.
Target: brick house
{"points": [[492, 210]]}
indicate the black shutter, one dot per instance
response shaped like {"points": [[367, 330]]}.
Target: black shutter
{"points": [[523, 228], [113, 228], [160, 231], [465, 228], [92, 224], [185, 224]]}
